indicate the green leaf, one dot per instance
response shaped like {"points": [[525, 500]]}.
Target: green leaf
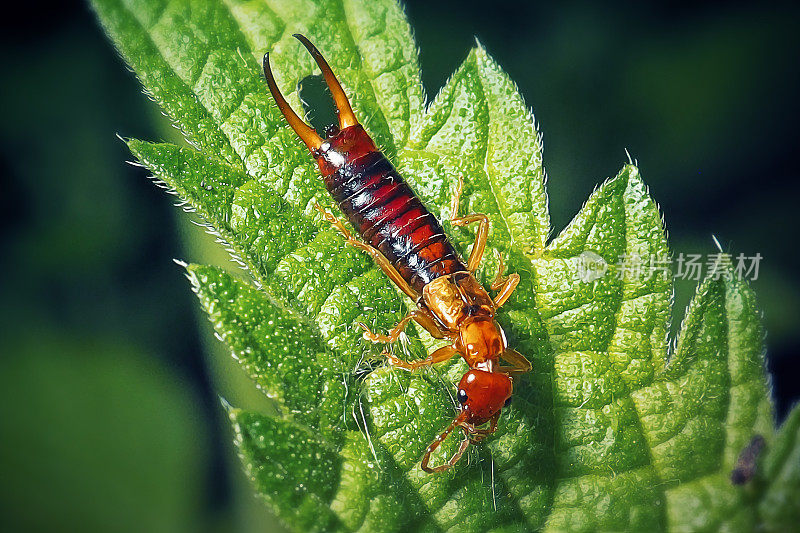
{"points": [[611, 430], [279, 454], [480, 114], [283, 354], [781, 473]]}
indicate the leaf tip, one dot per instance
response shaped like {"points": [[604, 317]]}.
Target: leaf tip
{"points": [[134, 145], [193, 274], [229, 409], [631, 167]]}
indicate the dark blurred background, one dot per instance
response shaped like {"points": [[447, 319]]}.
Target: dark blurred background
{"points": [[109, 418]]}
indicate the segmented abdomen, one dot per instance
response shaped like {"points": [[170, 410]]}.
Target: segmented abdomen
{"points": [[390, 217]]}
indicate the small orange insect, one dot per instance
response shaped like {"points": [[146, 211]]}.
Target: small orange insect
{"points": [[410, 246]]}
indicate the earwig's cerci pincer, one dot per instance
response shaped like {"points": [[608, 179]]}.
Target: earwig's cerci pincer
{"points": [[409, 245]]}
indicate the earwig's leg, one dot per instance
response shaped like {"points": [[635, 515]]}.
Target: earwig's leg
{"points": [[442, 354], [380, 259], [424, 319], [480, 238], [506, 285], [480, 434], [499, 279], [483, 229], [435, 444], [520, 363], [493, 423], [506, 289], [393, 334]]}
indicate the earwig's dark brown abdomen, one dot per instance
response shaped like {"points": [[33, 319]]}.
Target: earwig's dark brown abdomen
{"points": [[384, 209]]}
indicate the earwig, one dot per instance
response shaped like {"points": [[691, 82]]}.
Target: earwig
{"points": [[410, 246]]}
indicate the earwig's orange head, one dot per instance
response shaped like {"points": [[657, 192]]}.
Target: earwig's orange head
{"points": [[482, 394], [343, 143]]}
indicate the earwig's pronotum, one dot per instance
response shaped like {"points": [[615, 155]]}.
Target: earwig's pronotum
{"points": [[409, 245]]}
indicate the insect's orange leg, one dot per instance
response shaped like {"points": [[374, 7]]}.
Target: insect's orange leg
{"points": [[506, 290], [520, 363], [377, 256], [480, 434], [442, 354], [426, 320], [483, 228], [422, 317], [393, 334], [459, 421], [499, 279], [506, 285]]}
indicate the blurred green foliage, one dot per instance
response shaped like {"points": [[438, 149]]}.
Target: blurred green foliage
{"points": [[80, 454]]}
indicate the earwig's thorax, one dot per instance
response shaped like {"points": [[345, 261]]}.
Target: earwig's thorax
{"points": [[456, 298], [481, 342], [464, 307]]}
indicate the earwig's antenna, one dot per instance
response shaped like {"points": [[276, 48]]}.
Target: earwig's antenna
{"points": [[306, 133], [346, 116], [459, 420]]}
